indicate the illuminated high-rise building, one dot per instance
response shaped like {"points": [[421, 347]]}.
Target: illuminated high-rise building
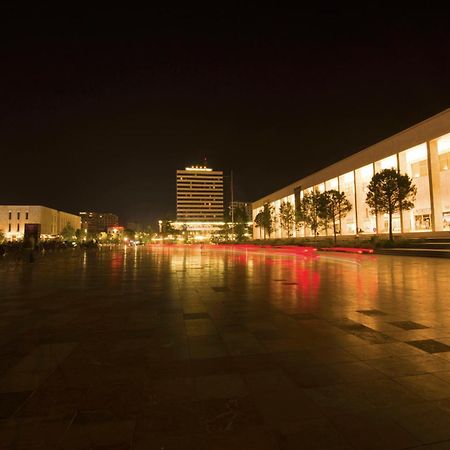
{"points": [[199, 194]]}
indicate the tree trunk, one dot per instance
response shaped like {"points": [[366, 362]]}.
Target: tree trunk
{"points": [[334, 231], [390, 227]]}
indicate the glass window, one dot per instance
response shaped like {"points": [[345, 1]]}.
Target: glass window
{"points": [[347, 186], [320, 187], [414, 162], [276, 222], [332, 185], [9, 216], [387, 163], [443, 144], [367, 222], [26, 216], [444, 161], [443, 149], [383, 219]]}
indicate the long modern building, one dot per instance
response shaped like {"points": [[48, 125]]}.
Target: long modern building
{"points": [[421, 151], [199, 194], [14, 217]]}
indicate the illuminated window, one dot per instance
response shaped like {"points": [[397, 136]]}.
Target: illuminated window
{"points": [[332, 185], [414, 162], [366, 221], [443, 149], [387, 163], [419, 169], [346, 185], [444, 161]]}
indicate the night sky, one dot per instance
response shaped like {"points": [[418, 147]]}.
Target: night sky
{"points": [[99, 108]]}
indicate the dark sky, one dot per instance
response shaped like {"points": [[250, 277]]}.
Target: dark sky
{"points": [[99, 108]]}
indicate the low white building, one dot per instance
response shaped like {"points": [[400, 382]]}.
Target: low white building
{"points": [[14, 217], [421, 151]]}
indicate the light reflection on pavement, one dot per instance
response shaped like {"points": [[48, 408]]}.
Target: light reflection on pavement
{"points": [[217, 347]]}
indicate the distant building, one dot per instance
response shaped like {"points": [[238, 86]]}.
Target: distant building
{"points": [[199, 194], [14, 217], [95, 222], [246, 205], [200, 201]]}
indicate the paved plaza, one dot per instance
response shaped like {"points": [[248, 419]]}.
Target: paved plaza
{"points": [[203, 347]]}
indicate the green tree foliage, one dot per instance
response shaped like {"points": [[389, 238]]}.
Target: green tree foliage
{"points": [[268, 218], [264, 220], [287, 217], [259, 223], [225, 232], [309, 211], [167, 228], [129, 235], [390, 192], [68, 232], [186, 234], [84, 235], [334, 207], [115, 237], [145, 236], [241, 220]]}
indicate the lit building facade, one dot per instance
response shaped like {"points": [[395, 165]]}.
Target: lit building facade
{"points": [[200, 200], [421, 151], [95, 222], [14, 217], [199, 195]]}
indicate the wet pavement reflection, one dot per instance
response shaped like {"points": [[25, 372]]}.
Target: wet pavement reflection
{"points": [[216, 347]]}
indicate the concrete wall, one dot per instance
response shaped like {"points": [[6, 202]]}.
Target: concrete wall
{"points": [[52, 221]]}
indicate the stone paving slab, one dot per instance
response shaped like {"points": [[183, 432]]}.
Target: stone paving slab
{"points": [[193, 348]]}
